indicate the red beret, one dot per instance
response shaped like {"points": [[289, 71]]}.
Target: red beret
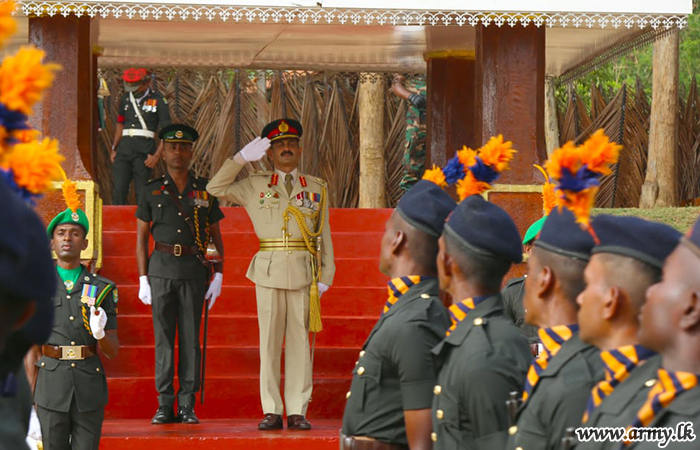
{"points": [[134, 75]]}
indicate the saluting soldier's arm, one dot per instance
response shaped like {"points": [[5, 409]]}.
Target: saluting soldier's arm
{"points": [[224, 185], [142, 237], [327, 261]]}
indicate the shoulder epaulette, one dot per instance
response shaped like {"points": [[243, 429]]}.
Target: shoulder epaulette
{"points": [[318, 180], [153, 180], [513, 281], [261, 173]]}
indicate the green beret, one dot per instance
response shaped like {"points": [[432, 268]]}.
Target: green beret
{"points": [[178, 132], [533, 231], [68, 216]]}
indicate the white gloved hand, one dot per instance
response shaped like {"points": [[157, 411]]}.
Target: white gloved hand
{"points": [[34, 426], [322, 288], [255, 149], [214, 290], [144, 290], [98, 320]]}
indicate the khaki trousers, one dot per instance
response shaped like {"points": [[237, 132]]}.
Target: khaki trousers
{"points": [[284, 315]]}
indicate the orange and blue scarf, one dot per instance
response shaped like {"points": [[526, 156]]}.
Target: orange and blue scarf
{"points": [[552, 340]]}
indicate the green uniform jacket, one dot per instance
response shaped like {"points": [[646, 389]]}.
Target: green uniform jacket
{"points": [[619, 409], [685, 408], [169, 227], [59, 380], [513, 307], [395, 371], [559, 398], [156, 115], [483, 360]]}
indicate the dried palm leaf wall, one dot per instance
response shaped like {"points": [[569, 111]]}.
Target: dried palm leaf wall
{"points": [[625, 116], [229, 107]]}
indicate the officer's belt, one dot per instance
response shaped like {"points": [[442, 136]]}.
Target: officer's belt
{"points": [[364, 443], [271, 245], [69, 352], [177, 249], [138, 132]]}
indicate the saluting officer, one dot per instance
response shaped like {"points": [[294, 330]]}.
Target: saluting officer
{"points": [[388, 405], [560, 379], [289, 211], [484, 357], [184, 220], [71, 388], [142, 112]]}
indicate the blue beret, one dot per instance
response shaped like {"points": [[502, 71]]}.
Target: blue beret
{"points": [[426, 206], [643, 240], [562, 235], [486, 229]]}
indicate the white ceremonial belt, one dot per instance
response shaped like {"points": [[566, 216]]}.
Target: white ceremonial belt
{"points": [[138, 132]]}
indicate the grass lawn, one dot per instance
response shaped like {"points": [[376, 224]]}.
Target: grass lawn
{"points": [[680, 218]]}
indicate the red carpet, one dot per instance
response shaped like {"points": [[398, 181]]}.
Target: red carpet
{"points": [[349, 311]]}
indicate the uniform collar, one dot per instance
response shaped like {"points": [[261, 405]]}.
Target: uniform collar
{"points": [[477, 317], [84, 277], [191, 183], [294, 173]]}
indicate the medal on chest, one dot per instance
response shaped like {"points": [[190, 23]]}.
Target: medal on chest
{"points": [[200, 198], [89, 294], [68, 284]]}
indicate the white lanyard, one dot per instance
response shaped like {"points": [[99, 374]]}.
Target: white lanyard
{"points": [[137, 109]]}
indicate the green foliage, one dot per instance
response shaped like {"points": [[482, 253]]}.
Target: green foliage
{"points": [[638, 66]]}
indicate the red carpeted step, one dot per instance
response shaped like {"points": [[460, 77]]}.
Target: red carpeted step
{"points": [[216, 435], [227, 360], [226, 397], [338, 301]]}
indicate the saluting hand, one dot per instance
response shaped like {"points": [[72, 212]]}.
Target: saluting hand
{"points": [[255, 149], [98, 320]]}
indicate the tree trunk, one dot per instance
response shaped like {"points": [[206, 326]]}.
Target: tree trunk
{"points": [[551, 123], [660, 185], [372, 92]]}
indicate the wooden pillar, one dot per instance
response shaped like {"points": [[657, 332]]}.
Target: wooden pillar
{"points": [[371, 114], [510, 101], [67, 109], [450, 89], [660, 185]]}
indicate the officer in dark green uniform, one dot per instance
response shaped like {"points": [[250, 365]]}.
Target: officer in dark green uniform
{"points": [[483, 357], [142, 111], [670, 321], [416, 133], [184, 220], [512, 293], [627, 260], [71, 388], [560, 380], [388, 405]]}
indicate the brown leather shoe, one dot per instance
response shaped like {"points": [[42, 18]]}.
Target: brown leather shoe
{"points": [[271, 422], [298, 422]]}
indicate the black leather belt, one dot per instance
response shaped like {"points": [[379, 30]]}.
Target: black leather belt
{"points": [[363, 443], [177, 249]]}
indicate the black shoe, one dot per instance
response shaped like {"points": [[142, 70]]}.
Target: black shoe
{"points": [[186, 414], [298, 422], [271, 422], [163, 415]]}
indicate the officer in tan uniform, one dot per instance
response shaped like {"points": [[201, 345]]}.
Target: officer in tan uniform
{"points": [[293, 268]]}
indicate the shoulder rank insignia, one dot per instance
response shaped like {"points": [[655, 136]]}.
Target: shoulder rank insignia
{"points": [[302, 180], [274, 179], [89, 294]]}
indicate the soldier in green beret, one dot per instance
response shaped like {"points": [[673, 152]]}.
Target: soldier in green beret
{"points": [[184, 220], [71, 388]]}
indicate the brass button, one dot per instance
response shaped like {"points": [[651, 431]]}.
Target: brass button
{"points": [[72, 364], [159, 205], [362, 353], [348, 394], [86, 278], [180, 197], [179, 231], [179, 213], [518, 448], [437, 389], [68, 296], [433, 436], [650, 383], [424, 296], [512, 430], [357, 362], [97, 369], [43, 364], [478, 321], [439, 414], [72, 342], [360, 371], [71, 318]]}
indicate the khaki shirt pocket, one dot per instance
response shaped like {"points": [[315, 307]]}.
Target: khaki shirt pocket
{"points": [[268, 210]]}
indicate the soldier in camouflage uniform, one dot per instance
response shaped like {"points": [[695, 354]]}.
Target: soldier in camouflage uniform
{"points": [[416, 134]]}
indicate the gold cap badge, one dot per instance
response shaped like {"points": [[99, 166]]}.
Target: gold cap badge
{"points": [[178, 134], [283, 127]]}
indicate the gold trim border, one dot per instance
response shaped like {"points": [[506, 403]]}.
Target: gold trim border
{"points": [[514, 188]]}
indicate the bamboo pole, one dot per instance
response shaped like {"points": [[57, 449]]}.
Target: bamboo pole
{"points": [[551, 123], [371, 115], [660, 185]]}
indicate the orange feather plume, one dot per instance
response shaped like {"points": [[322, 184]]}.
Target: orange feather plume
{"points": [[497, 153], [549, 198], [436, 176], [469, 185], [70, 195]]}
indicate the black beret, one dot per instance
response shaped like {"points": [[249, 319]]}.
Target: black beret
{"points": [[281, 129], [178, 132], [562, 235], [27, 271], [485, 228], [643, 240], [426, 206]]}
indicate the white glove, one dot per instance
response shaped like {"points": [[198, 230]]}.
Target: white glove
{"points": [[98, 320], [214, 290], [322, 288], [255, 149], [144, 290], [34, 426]]}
